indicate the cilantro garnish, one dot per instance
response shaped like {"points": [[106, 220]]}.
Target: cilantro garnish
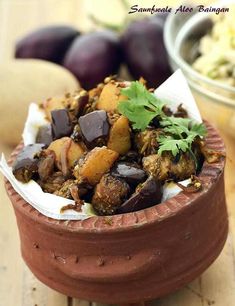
{"points": [[142, 106], [179, 134], [168, 143]]}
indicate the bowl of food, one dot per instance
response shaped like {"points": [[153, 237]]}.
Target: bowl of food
{"points": [[119, 148], [202, 45]]}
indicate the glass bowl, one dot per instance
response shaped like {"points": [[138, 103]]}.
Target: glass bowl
{"points": [[215, 100]]}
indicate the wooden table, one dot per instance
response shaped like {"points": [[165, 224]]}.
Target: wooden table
{"points": [[19, 287]]}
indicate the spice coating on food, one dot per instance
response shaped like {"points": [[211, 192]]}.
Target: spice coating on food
{"points": [[109, 194], [115, 146]]}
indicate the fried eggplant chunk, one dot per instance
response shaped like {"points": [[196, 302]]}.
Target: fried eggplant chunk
{"points": [[146, 141], [45, 135], [147, 194], [165, 166], [26, 163], [94, 127], [109, 194], [53, 183], [130, 172], [61, 123]]}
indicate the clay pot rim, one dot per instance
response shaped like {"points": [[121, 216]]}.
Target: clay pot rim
{"points": [[134, 220]]}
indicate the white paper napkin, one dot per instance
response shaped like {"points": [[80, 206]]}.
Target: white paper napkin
{"points": [[175, 90], [48, 204], [36, 118]]}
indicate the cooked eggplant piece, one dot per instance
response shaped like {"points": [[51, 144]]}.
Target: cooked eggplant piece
{"points": [[146, 141], [83, 99], [131, 157], [120, 136], [77, 134], [46, 164], [26, 163], [181, 112], [53, 183], [95, 164], [165, 166], [147, 194], [130, 172], [64, 190], [76, 102], [109, 194], [45, 134], [67, 152], [61, 123], [94, 127]]}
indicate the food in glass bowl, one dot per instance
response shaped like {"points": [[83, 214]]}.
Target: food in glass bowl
{"points": [[217, 50], [196, 45], [114, 147]]}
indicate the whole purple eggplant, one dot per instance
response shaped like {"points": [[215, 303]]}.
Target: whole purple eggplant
{"points": [[48, 43], [144, 50], [94, 56]]}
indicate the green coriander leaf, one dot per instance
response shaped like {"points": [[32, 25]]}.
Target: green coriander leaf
{"points": [[139, 94], [137, 114], [141, 106], [179, 126], [180, 135], [168, 143], [182, 122], [199, 129], [176, 126]]}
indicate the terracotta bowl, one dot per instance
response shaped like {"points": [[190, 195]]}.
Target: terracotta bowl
{"points": [[130, 257]]}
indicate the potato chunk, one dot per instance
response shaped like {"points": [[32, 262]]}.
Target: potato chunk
{"points": [[167, 167], [109, 194], [53, 104], [119, 136], [110, 97], [66, 150], [95, 164]]}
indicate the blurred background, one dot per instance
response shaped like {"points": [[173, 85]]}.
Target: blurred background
{"points": [[18, 17]]}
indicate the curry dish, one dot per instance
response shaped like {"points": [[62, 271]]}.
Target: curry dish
{"points": [[115, 147]]}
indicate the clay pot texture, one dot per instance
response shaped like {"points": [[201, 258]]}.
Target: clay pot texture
{"points": [[131, 257]]}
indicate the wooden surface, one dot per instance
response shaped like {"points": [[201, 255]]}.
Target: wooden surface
{"points": [[19, 287]]}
